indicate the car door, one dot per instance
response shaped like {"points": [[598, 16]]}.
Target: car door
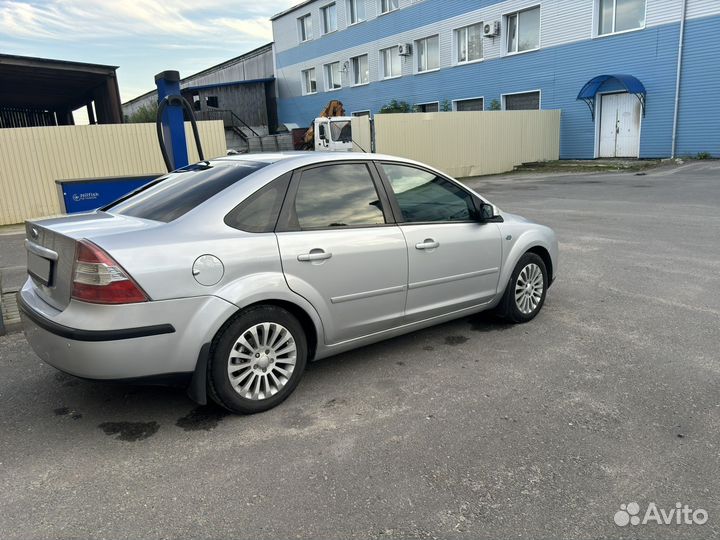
{"points": [[341, 251], [453, 259]]}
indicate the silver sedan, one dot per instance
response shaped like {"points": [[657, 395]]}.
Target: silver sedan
{"points": [[231, 274]]}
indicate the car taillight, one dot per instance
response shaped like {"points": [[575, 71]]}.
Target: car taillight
{"points": [[99, 279]]}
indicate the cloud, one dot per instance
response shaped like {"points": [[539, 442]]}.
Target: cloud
{"points": [[76, 20], [255, 28], [143, 37]]}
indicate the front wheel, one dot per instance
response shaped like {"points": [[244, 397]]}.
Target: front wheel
{"points": [[525, 292], [257, 361]]}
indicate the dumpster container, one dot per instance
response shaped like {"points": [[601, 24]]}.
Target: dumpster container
{"points": [[87, 194]]}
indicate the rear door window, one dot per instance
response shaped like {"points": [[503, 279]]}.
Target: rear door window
{"points": [[177, 193], [341, 195]]}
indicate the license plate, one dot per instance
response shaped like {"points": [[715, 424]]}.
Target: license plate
{"points": [[39, 267]]}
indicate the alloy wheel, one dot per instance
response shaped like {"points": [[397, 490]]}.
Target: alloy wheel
{"points": [[262, 360], [529, 288]]}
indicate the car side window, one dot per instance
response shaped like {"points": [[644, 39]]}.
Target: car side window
{"points": [[339, 195], [424, 196], [259, 212]]}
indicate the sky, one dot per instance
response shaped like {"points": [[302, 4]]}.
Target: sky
{"points": [[142, 37]]}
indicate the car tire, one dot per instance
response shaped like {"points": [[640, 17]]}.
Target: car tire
{"points": [[257, 360], [523, 298]]}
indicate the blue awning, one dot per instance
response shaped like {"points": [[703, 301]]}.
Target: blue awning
{"points": [[628, 82]]}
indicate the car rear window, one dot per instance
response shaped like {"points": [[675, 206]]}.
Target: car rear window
{"points": [[175, 194]]}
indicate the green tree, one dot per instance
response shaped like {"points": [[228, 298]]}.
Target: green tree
{"points": [[396, 106], [146, 113]]}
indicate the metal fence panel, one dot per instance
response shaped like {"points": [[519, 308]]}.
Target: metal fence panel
{"points": [[470, 143], [32, 159]]}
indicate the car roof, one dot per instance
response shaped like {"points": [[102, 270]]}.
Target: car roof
{"points": [[299, 158]]}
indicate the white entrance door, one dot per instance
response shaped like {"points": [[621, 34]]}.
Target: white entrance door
{"points": [[619, 125]]}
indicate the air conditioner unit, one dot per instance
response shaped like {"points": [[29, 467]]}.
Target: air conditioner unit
{"points": [[405, 49], [491, 29]]}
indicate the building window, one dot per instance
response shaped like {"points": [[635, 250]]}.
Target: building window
{"points": [[620, 15], [468, 42], [360, 72], [428, 107], [309, 83], [332, 76], [523, 30], [356, 11], [473, 104], [387, 6], [305, 28], [527, 101], [212, 101], [360, 113], [390, 59], [196, 103], [428, 55], [328, 14]]}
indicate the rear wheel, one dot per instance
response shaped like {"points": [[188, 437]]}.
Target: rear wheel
{"points": [[525, 292], [258, 360]]}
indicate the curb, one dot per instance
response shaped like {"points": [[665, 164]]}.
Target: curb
{"points": [[2, 311], [9, 309], [9, 313]]}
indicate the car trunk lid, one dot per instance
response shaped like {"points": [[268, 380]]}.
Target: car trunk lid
{"points": [[51, 245]]}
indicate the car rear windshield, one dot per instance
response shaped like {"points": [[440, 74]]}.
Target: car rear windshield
{"points": [[175, 194]]}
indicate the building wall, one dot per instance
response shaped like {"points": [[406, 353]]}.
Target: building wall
{"points": [[247, 68], [570, 54], [34, 158], [257, 64], [699, 126], [249, 99]]}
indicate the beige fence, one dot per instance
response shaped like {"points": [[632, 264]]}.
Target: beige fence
{"points": [[32, 159], [466, 143]]}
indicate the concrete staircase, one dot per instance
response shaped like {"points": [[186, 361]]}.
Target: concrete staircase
{"points": [[235, 141]]}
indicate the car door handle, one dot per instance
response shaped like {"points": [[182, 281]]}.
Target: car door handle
{"points": [[428, 243], [314, 255]]}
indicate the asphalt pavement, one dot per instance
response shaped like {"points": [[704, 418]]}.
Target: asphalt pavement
{"points": [[471, 429]]}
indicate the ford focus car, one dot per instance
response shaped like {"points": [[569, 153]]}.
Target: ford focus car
{"points": [[231, 274]]}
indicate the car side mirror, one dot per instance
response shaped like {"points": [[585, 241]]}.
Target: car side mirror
{"points": [[486, 212], [321, 132]]}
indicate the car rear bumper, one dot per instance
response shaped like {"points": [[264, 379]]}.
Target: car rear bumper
{"points": [[130, 341]]}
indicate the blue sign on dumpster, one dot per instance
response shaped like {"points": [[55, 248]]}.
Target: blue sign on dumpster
{"points": [[90, 193]]}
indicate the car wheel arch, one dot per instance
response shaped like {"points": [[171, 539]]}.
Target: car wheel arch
{"points": [[197, 389], [530, 241], [542, 252], [309, 325]]}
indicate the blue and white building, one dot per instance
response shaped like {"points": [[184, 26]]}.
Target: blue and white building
{"points": [[631, 77]]}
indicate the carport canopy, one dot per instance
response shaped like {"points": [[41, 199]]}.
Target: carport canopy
{"points": [[628, 82], [41, 92]]}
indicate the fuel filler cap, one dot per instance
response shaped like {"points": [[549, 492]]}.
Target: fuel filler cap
{"points": [[208, 270]]}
